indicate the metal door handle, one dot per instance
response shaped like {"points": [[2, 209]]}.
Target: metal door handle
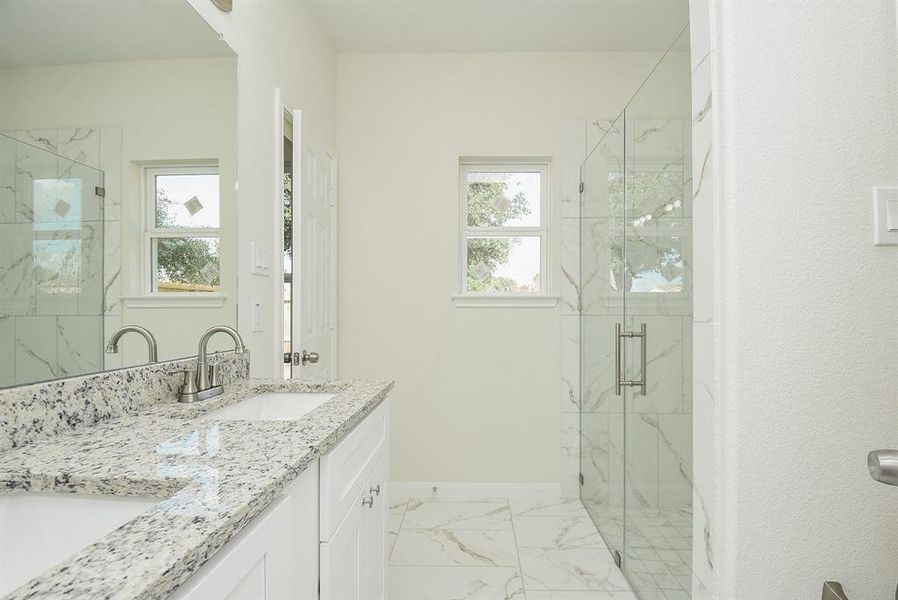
{"points": [[369, 502], [375, 490], [305, 357], [619, 336]]}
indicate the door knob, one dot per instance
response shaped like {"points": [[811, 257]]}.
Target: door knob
{"points": [[369, 502], [305, 357], [375, 490]]}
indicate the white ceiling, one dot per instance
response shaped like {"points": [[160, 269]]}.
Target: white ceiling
{"points": [[57, 32], [501, 25]]}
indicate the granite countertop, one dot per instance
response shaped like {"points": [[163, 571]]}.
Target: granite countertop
{"points": [[212, 478]]}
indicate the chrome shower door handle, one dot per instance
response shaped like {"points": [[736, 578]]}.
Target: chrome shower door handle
{"points": [[617, 340], [619, 336]]}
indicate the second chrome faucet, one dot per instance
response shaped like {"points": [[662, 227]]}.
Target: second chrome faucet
{"points": [[205, 381]]}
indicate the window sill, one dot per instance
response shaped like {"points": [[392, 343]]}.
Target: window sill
{"points": [[500, 301], [193, 300]]}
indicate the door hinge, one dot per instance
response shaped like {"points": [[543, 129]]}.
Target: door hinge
{"points": [[581, 478], [581, 187], [100, 191]]}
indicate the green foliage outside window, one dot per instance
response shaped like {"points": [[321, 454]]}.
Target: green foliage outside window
{"points": [[183, 264], [490, 206]]}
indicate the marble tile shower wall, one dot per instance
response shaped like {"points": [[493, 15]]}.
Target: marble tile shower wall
{"points": [[659, 452], [703, 327], [60, 258]]}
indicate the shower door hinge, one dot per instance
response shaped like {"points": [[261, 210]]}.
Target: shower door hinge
{"points": [[581, 478], [581, 187], [100, 191]]}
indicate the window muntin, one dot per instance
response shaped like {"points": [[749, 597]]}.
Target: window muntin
{"points": [[503, 228]]}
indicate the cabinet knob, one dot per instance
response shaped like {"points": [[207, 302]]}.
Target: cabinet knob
{"points": [[375, 490], [369, 502]]}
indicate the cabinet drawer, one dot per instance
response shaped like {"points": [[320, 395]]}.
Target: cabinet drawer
{"points": [[346, 468]]}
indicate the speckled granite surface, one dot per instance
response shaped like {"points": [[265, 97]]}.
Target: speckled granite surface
{"points": [[212, 478], [47, 409]]}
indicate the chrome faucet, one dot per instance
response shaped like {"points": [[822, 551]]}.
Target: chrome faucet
{"points": [[205, 381], [153, 352]]}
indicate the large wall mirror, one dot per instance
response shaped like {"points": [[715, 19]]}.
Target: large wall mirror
{"points": [[117, 183]]}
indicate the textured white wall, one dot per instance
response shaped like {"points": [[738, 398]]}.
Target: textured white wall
{"points": [[279, 45], [477, 395], [806, 103]]}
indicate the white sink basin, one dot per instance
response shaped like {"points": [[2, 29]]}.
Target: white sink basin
{"points": [[272, 406], [38, 531]]}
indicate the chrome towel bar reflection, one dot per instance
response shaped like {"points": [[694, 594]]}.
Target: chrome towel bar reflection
{"points": [[619, 336]]}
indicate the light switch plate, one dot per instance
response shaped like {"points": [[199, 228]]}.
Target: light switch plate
{"points": [[259, 257], [885, 216]]}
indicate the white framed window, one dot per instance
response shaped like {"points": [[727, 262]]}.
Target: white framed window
{"points": [[182, 217], [504, 241]]}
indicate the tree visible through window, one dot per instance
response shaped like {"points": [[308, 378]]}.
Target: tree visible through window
{"points": [[503, 234], [184, 237]]}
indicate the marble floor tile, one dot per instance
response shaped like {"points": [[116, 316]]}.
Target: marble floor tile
{"points": [[455, 547], [527, 507], [561, 554], [397, 506], [456, 515], [551, 595], [394, 522], [455, 583], [557, 532], [570, 569]]}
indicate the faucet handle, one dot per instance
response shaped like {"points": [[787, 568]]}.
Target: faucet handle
{"points": [[189, 386], [215, 375]]}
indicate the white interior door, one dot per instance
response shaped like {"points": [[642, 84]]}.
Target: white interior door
{"points": [[314, 253]]}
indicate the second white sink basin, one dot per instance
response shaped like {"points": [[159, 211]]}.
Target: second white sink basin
{"points": [[40, 530], [272, 406]]}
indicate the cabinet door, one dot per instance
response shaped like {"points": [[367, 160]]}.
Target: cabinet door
{"points": [[253, 566], [343, 557], [376, 534]]}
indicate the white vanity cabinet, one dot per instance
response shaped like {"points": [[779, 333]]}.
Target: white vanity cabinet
{"points": [[260, 562], [354, 513], [324, 537]]}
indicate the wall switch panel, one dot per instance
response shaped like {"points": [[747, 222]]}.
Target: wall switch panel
{"points": [[885, 216], [259, 259], [256, 325]]}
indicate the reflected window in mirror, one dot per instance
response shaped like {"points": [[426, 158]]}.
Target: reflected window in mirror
{"points": [[183, 229]]}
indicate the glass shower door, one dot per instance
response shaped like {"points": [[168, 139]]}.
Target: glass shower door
{"points": [[601, 305], [657, 300]]}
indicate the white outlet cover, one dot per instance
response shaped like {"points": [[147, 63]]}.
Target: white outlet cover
{"points": [[257, 317]]}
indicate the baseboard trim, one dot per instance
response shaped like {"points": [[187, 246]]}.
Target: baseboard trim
{"points": [[456, 490]]}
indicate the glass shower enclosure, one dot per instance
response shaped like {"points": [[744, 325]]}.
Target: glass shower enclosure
{"points": [[51, 261], [635, 332]]}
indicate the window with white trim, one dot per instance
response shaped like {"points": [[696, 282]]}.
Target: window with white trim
{"points": [[504, 218], [183, 220]]}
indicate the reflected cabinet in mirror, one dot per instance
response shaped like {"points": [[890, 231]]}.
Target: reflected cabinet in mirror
{"points": [[117, 184]]}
